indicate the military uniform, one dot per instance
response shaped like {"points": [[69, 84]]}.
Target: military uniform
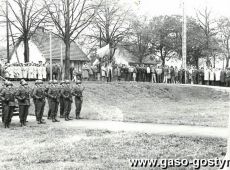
{"points": [[48, 99], [67, 100], [77, 92], [39, 101], [53, 94], [61, 100], [8, 96], [3, 102], [23, 96]]}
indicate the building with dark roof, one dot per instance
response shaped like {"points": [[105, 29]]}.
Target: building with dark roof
{"points": [[42, 41]]}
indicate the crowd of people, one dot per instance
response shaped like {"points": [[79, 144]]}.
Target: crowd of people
{"points": [[115, 72], [157, 74], [56, 94], [30, 71]]}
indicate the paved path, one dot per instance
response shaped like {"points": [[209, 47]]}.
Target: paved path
{"points": [[158, 129]]}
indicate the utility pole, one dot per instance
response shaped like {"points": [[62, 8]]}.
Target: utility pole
{"points": [[184, 49], [100, 37], [7, 34], [51, 76]]}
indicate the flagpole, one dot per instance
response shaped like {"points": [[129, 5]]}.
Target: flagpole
{"points": [[61, 62], [7, 34], [184, 50], [51, 56]]}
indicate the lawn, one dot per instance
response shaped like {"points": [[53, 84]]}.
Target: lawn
{"points": [[47, 147], [156, 103], [153, 103]]}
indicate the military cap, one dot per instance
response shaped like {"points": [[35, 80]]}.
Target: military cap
{"points": [[55, 82], [67, 81], [22, 80], [62, 82], [78, 82], [9, 83], [6, 83], [37, 82], [50, 82], [24, 83]]}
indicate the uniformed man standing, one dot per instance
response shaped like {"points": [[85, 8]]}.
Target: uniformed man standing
{"points": [[3, 102], [67, 99], [34, 100], [48, 99], [62, 85], [8, 96], [39, 98], [53, 94], [77, 92], [23, 96]]}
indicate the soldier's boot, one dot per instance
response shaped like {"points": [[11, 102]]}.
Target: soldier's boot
{"points": [[39, 121], [8, 125], [66, 118], [42, 121], [53, 119], [69, 118], [24, 123], [56, 120], [5, 125]]}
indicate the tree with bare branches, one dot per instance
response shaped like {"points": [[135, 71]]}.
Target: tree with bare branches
{"points": [[25, 16], [224, 32], [70, 18], [207, 24], [111, 24]]}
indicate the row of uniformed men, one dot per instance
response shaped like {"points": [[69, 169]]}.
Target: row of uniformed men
{"points": [[56, 94]]}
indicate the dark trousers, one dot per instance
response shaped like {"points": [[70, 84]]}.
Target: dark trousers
{"points": [[3, 110], [8, 113], [61, 107], [49, 111], [35, 109], [39, 109], [67, 107], [78, 104], [159, 78], [48, 76], [148, 77], [53, 109], [23, 112]]}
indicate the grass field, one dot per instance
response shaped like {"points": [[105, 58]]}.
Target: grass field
{"points": [[51, 148], [156, 103], [153, 103], [58, 147]]}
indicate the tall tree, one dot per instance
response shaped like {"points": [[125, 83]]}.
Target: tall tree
{"points": [[70, 18], [25, 16], [111, 24], [207, 24], [138, 42], [224, 32], [165, 32]]}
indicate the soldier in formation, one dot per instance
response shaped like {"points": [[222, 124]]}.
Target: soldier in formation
{"points": [[54, 93], [8, 97], [23, 97], [39, 101], [77, 93]]}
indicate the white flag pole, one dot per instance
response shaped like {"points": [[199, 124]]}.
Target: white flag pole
{"points": [[184, 50]]}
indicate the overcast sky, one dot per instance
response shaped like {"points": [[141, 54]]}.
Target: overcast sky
{"points": [[168, 7], [161, 7]]}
